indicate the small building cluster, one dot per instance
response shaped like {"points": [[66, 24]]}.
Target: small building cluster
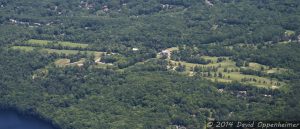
{"points": [[166, 53], [288, 35], [166, 6], [98, 60], [86, 5], [267, 95], [220, 90], [105, 8], [242, 94], [35, 24]]}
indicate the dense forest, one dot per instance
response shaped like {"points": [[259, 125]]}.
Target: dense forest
{"points": [[136, 88], [153, 24]]}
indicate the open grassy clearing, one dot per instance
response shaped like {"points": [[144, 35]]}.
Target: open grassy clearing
{"points": [[78, 63], [62, 62], [107, 66], [67, 52], [224, 64], [66, 62], [266, 69], [58, 43], [24, 48], [289, 33], [172, 49], [219, 80], [229, 65], [98, 56], [27, 48], [236, 75], [284, 42]]}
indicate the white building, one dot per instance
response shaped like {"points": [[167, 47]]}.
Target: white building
{"points": [[166, 53], [98, 60], [135, 49]]}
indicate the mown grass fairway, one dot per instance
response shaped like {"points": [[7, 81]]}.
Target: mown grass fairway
{"points": [[58, 43], [62, 62], [227, 68], [228, 77], [24, 48], [67, 52], [266, 69], [172, 49]]}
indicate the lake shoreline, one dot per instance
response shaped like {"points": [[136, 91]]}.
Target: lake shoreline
{"points": [[28, 114]]}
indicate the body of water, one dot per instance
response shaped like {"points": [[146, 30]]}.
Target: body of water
{"points": [[13, 120]]}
